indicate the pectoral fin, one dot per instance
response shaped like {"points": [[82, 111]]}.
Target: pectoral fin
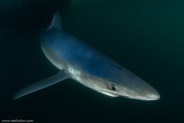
{"points": [[62, 75]]}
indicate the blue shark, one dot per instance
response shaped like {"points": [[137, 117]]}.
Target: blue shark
{"points": [[78, 61]]}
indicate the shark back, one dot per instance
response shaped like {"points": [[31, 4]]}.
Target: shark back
{"points": [[63, 49]]}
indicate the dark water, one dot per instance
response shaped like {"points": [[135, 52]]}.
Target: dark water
{"points": [[145, 36]]}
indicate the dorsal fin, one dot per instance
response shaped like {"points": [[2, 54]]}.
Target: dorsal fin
{"points": [[56, 21]]}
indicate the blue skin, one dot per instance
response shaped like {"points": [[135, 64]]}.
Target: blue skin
{"points": [[90, 60], [87, 59]]}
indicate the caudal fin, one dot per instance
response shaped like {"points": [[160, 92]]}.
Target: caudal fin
{"points": [[62, 75]]}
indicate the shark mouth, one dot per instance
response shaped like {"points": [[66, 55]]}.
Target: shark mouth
{"points": [[109, 93]]}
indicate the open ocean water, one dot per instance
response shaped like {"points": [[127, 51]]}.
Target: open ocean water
{"points": [[145, 36]]}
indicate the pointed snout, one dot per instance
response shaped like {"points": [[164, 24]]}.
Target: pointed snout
{"points": [[146, 92], [152, 94], [139, 89]]}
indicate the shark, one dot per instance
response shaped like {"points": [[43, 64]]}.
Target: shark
{"points": [[79, 61]]}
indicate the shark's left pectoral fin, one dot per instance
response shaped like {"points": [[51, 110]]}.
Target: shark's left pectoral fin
{"points": [[61, 75]]}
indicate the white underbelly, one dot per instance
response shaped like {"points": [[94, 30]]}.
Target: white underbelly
{"points": [[86, 79]]}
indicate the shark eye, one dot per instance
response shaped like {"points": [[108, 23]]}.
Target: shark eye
{"points": [[113, 88]]}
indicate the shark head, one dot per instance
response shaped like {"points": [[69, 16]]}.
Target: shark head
{"points": [[140, 91], [130, 86]]}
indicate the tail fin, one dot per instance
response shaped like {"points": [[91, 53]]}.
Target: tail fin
{"points": [[56, 21]]}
